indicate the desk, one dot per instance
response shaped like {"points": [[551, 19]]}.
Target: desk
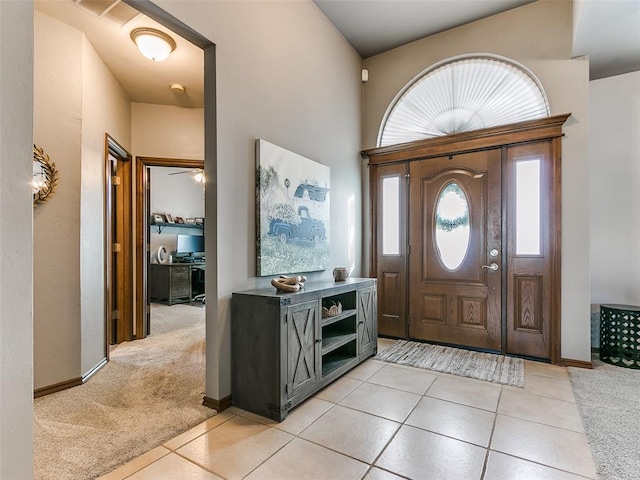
{"points": [[620, 335], [175, 282]]}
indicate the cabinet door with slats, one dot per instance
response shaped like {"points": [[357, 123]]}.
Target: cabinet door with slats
{"points": [[303, 359]]}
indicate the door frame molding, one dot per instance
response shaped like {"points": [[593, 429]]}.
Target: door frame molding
{"points": [[549, 128], [142, 231], [112, 147]]}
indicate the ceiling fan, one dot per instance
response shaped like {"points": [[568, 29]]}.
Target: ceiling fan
{"points": [[198, 174]]}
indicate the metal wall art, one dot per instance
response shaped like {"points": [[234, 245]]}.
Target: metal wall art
{"points": [[45, 176]]}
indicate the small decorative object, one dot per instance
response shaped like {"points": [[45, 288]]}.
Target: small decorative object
{"points": [[179, 220], [162, 255], [332, 311], [169, 218], [340, 274], [289, 284], [158, 218], [45, 176], [199, 221], [190, 221]]}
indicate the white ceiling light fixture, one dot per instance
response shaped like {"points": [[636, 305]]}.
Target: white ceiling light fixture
{"points": [[153, 44]]}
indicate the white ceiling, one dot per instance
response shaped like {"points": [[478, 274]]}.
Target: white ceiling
{"points": [[609, 32], [375, 26], [606, 30], [144, 81]]}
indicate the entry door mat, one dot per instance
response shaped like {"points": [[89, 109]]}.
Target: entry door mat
{"points": [[466, 363]]}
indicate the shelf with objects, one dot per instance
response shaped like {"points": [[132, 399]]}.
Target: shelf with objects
{"points": [[185, 228], [339, 330], [180, 276]]}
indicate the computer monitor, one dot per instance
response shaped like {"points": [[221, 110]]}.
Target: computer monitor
{"points": [[190, 245]]}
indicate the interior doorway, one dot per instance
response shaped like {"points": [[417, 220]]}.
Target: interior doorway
{"points": [[143, 238]]}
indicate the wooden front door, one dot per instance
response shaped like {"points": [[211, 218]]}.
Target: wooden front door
{"points": [[455, 240], [389, 224], [467, 249], [533, 249]]}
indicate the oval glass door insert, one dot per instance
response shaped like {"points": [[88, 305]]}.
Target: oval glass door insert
{"points": [[452, 226]]}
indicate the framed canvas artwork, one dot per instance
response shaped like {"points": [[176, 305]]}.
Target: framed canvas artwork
{"points": [[292, 210]]}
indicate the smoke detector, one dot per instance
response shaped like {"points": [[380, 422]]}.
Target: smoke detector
{"points": [[177, 88]]}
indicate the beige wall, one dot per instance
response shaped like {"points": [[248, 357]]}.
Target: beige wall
{"points": [[76, 101], [538, 36], [614, 158], [286, 75], [56, 227], [106, 108], [16, 158], [167, 132]]}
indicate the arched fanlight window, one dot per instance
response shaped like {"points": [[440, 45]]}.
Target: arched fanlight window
{"points": [[463, 94]]}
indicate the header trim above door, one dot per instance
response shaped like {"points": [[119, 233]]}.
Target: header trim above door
{"points": [[550, 127]]}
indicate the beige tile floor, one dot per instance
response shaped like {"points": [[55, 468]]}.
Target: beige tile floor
{"points": [[384, 422]]}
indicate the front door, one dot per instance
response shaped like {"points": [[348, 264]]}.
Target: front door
{"points": [[455, 250]]}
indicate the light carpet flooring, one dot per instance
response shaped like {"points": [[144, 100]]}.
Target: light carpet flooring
{"points": [[608, 398], [384, 422], [149, 392]]}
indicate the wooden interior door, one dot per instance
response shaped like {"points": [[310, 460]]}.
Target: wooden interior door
{"points": [[455, 235], [118, 261]]}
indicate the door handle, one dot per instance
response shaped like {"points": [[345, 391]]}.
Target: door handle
{"points": [[493, 267]]}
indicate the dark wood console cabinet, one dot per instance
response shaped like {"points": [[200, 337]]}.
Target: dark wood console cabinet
{"points": [[172, 282], [283, 350]]}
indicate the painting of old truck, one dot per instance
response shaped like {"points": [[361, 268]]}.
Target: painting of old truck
{"points": [[292, 212]]}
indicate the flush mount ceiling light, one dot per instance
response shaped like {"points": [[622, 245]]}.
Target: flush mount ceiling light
{"points": [[153, 44]]}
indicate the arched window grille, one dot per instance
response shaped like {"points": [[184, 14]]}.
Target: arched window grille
{"points": [[462, 94]]}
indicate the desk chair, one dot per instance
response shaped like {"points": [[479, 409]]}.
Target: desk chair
{"points": [[200, 298], [197, 283]]}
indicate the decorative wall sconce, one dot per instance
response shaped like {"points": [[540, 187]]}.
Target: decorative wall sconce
{"points": [[45, 176], [153, 44]]}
